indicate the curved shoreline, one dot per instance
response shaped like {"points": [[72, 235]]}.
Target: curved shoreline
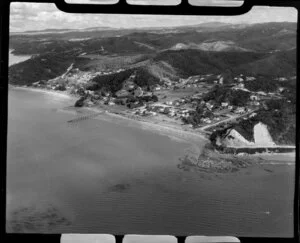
{"points": [[197, 140], [107, 115], [57, 93]]}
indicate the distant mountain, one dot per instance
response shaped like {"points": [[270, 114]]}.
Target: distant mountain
{"points": [[265, 37], [259, 49], [212, 25], [59, 31], [258, 37], [225, 46]]}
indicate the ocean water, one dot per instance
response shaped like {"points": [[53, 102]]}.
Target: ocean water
{"points": [[13, 59], [96, 176]]}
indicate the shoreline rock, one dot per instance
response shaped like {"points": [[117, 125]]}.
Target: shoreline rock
{"points": [[211, 161]]}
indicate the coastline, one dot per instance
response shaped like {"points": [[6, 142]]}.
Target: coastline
{"points": [[108, 115], [180, 134], [57, 93], [15, 59]]}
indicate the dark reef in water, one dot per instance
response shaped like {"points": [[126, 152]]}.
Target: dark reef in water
{"points": [[36, 220], [120, 187], [211, 161]]}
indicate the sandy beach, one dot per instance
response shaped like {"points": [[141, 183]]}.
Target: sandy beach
{"points": [[14, 59], [172, 131], [57, 93]]}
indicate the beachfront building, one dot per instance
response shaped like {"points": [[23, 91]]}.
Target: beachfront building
{"points": [[122, 93], [240, 110], [224, 104], [254, 97]]}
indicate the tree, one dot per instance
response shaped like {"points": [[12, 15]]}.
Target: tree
{"points": [[154, 98]]}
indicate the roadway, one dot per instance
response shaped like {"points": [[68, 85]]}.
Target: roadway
{"points": [[232, 118]]}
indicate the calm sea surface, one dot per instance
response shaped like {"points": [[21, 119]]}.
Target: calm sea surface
{"points": [[13, 59], [94, 176]]}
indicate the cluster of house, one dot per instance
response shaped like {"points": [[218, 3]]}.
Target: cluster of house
{"points": [[45, 84], [160, 108], [130, 89], [185, 106], [130, 94], [110, 71], [195, 81], [73, 80]]}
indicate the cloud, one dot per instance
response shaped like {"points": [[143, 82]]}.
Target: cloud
{"points": [[38, 16]]}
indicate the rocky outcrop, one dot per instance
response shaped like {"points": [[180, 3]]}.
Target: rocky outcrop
{"points": [[212, 161], [232, 138], [80, 102], [262, 136]]}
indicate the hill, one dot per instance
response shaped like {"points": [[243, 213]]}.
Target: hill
{"points": [[276, 64], [260, 49], [43, 67], [193, 62], [114, 82], [264, 37]]}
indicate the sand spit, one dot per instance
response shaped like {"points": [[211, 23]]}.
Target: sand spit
{"points": [[56, 93]]}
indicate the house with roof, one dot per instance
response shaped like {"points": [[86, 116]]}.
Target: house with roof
{"points": [[129, 84], [250, 78], [122, 93], [138, 92], [240, 110], [254, 97], [224, 104], [241, 85], [261, 93], [209, 105]]}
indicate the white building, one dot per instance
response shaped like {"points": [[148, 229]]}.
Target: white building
{"points": [[221, 80], [241, 85], [254, 97], [224, 104], [240, 110], [250, 78], [261, 93]]}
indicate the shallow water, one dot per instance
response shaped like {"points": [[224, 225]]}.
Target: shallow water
{"points": [[96, 176], [13, 59]]}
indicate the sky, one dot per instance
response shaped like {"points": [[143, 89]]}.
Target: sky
{"points": [[40, 16]]}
